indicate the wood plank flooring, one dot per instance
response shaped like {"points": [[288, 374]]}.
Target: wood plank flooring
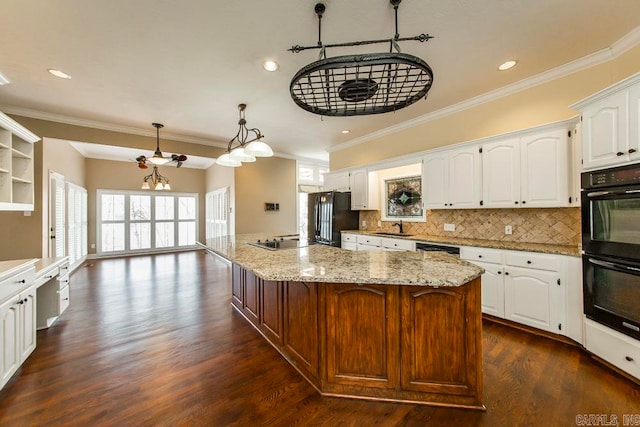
{"points": [[153, 340]]}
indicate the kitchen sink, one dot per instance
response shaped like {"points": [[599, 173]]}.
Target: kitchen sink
{"points": [[383, 233]]}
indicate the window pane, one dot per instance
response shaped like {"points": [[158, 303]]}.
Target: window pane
{"points": [[164, 234], [113, 207], [140, 208], [164, 207], [305, 173], [140, 235], [187, 208], [187, 233], [112, 237]]}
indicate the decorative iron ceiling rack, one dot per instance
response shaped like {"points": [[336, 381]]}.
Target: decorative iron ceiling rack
{"points": [[361, 84]]}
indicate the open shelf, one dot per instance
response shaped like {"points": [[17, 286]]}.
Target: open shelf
{"points": [[16, 165]]}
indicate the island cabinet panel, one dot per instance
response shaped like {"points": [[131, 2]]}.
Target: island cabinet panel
{"points": [[440, 340], [301, 325], [237, 285], [362, 328], [251, 301], [271, 312]]}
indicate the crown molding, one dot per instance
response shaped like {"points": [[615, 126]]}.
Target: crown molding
{"points": [[17, 129], [94, 124], [627, 42]]}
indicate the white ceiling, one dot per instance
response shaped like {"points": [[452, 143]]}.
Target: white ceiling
{"points": [[188, 64]]}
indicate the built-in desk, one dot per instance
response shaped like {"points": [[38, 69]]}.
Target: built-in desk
{"points": [[52, 282]]}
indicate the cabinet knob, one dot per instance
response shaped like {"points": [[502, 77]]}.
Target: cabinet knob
{"points": [[22, 281], [516, 202], [524, 201], [628, 358], [506, 273], [66, 299], [479, 256], [49, 277], [25, 300], [499, 272], [619, 153], [20, 302], [632, 150], [528, 262]]}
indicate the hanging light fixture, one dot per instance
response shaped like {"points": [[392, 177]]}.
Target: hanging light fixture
{"points": [[156, 181], [245, 146], [355, 85], [158, 158]]}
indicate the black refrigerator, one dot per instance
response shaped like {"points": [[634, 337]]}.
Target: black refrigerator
{"points": [[329, 213]]}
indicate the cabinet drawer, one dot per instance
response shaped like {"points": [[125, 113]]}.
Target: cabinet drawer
{"points": [[63, 280], [369, 240], [398, 244], [492, 256], [64, 269], [13, 285], [349, 238], [614, 347], [530, 260], [64, 299]]}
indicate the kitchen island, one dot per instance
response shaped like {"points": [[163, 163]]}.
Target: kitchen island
{"points": [[394, 326]]}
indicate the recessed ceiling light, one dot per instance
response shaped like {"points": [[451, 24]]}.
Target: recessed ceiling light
{"points": [[59, 73], [346, 131], [3, 80], [507, 65], [270, 65]]}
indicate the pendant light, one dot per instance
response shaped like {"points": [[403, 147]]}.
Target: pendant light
{"points": [[155, 180], [245, 146]]}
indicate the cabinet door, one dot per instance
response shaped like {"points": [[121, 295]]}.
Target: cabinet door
{"points": [[250, 303], [464, 178], [604, 131], [634, 123], [501, 174], [271, 310], [545, 169], [9, 339], [336, 181], [301, 325], [28, 322], [435, 177], [237, 285], [350, 246], [530, 298], [363, 192], [362, 335], [492, 289]]}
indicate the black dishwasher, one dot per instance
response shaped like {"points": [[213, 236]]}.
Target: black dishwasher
{"points": [[430, 247]]}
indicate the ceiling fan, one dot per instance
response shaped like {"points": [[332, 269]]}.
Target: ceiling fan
{"points": [[158, 158]]}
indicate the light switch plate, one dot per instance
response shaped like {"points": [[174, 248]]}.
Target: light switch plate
{"points": [[449, 227], [508, 229]]}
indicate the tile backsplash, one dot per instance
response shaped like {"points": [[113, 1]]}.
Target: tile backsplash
{"points": [[559, 226]]}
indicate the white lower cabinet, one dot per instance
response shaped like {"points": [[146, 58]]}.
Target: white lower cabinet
{"points": [[618, 349], [364, 242], [533, 289], [368, 243], [17, 332]]}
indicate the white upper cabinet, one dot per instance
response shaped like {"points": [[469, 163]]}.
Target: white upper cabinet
{"points": [[16, 166], [501, 174], [451, 179], [364, 190], [610, 125], [530, 171], [337, 181]]}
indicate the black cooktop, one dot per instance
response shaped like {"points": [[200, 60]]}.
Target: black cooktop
{"points": [[275, 244]]}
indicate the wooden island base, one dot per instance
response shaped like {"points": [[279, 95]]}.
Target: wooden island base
{"points": [[416, 344]]}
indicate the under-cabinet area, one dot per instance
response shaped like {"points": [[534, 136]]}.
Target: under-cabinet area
{"points": [[33, 293]]}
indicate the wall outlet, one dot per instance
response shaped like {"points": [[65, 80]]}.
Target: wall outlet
{"points": [[93, 246], [379, 223], [508, 229], [449, 227], [364, 223]]}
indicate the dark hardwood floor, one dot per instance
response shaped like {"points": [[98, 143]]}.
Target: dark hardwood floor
{"points": [[153, 340]]}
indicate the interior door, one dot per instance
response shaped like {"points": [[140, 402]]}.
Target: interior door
{"points": [[57, 215], [217, 213]]}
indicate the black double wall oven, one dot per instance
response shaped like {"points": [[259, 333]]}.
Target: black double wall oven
{"points": [[611, 247]]}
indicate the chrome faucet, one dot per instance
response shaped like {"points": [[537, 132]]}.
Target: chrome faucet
{"points": [[399, 224]]}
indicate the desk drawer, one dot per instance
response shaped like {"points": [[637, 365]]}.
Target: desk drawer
{"points": [[15, 284], [64, 299]]}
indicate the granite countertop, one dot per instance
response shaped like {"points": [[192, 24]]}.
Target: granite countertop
{"points": [[320, 263], [570, 250]]}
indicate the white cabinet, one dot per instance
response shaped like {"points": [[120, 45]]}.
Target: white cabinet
{"points": [[364, 190], [17, 332], [53, 293], [16, 166], [529, 171], [451, 179], [336, 181], [539, 290], [363, 242], [349, 242], [610, 121], [390, 244], [368, 243], [618, 349]]}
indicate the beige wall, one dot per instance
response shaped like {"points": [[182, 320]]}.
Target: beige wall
{"points": [[545, 103], [218, 177], [271, 180], [112, 175]]}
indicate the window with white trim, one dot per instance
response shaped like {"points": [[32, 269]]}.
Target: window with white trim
{"points": [[132, 221]]}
